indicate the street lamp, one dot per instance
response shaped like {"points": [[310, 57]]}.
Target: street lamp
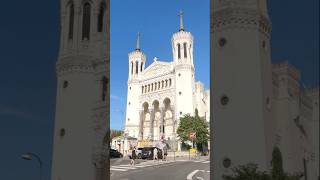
{"points": [[28, 156]]}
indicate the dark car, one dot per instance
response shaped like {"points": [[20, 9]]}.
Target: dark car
{"points": [[147, 153], [138, 153], [115, 154]]}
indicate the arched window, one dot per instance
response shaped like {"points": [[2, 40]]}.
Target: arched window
{"points": [[161, 84], [131, 67], [71, 21], [142, 89], [166, 82], [145, 88], [155, 86], [169, 82], [151, 87], [185, 49], [100, 17], [179, 55], [86, 21], [141, 67], [137, 67], [148, 87]]}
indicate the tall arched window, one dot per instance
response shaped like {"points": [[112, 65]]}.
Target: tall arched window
{"points": [[86, 21], [137, 67], [166, 82], [100, 17], [142, 88], [131, 67], [141, 67], [179, 55], [185, 49], [169, 82], [71, 21]]}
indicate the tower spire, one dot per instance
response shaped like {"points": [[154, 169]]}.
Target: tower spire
{"points": [[138, 42], [181, 20]]}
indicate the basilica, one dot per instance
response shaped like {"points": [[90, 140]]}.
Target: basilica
{"points": [[158, 95]]}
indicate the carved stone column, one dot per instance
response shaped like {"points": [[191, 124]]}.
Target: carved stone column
{"points": [[162, 119], [142, 116], [152, 114]]}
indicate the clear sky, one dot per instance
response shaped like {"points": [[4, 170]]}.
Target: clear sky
{"points": [[156, 21], [30, 42]]}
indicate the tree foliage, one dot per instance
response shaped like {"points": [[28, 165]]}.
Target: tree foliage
{"points": [[196, 124], [115, 133], [250, 171], [247, 172]]}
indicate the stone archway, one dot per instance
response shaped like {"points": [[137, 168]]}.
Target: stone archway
{"points": [[156, 118], [168, 117], [144, 121]]}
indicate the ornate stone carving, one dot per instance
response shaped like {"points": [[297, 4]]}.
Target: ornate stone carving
{"points": [[243, 18]]}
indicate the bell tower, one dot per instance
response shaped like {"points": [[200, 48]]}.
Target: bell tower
{"points": [[182, 49], [82, 92], [137, 60], [241, 77]]}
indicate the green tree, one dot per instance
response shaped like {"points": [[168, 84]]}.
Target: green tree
{"points": [[115, 133], [250, 171], [195, 124], [277, 172], [247, 172]]}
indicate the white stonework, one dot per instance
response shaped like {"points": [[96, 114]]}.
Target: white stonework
{"points": [[158, 95], [257, 105], [81, 102]]}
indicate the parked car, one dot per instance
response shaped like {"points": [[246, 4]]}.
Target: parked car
{"points": [[147, 153], [115, 154], [138, 153]]}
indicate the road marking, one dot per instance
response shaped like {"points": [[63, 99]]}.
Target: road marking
{"points": [[205, 162], [189, 177], [126, 167], [204, 171], [114, 169], [121, 167]]}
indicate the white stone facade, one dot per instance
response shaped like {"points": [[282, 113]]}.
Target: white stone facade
{"points": [[158, 95], [258, 105], [81, 102]]}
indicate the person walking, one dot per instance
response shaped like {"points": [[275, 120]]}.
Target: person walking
{"points": [[165, 153], [155, 154], [133, 156]]}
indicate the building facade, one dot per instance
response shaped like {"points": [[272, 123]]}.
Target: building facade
{"points": [[258, 105], [158, 95], [81, 117]]}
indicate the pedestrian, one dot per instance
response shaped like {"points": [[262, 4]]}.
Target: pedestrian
{"points": [[133, 156], [165, 153], [155, 154]]}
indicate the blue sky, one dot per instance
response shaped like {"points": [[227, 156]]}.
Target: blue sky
{"points": [[156, 21], [29, 49]]}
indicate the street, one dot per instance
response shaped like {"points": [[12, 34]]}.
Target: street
{"points": [[180, 169]]}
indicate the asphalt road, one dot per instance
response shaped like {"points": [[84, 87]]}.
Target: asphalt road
{"points": [[170, 170]]}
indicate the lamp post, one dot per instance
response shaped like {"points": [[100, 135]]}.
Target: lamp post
{"points": [[28, 156]]}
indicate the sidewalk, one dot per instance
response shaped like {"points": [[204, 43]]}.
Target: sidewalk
{"points": [[185, 156]]}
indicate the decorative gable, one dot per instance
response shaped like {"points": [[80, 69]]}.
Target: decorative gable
{"points": [[157, 68]]}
